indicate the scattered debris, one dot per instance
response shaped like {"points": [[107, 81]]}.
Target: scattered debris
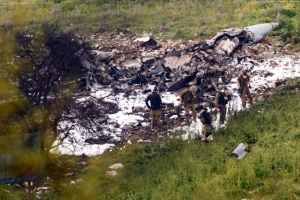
{"points": [[239, 152], [126, 67], [172, 67]]}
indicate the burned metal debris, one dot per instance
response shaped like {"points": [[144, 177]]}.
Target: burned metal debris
{"points": [[171, 66], [240, 151], [142, 60]]}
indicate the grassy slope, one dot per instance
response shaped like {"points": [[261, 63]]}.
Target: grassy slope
{"points": [[166, 19], [177, 169]]}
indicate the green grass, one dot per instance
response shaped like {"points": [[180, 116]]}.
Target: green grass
{"points": [[187, 19]]}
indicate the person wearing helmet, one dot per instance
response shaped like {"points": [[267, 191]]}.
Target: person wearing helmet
{"points": [[220, 103], [155, 113], [243, 85], [187, 98], [206, 121]]}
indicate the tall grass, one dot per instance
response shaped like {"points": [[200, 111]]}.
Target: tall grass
{"points": [[168, 19]]}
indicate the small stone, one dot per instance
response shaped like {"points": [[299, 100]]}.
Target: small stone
{"points": [[69, 174], [26, 184], [111, 173], [83, 163], [78, 180], [116, 166]]}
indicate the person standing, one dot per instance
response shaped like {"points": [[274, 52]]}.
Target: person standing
{"points": [[243, 85], [187, 98], [155, 105], [206, 121], [220, 103]]}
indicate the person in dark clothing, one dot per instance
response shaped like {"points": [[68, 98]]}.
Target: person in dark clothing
{"points": [[220, 103], [155, 105], [206, 121]]}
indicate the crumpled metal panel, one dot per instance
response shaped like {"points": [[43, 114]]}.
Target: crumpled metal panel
{"points": [[171, 62], [183, 60], [171, 59], [147, 58], [85, 63], [133, 63], [230, 32], [183, 82], [102, 55], [239, 152], [226, 46]]}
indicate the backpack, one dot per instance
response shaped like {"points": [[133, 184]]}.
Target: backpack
{"points": [[201, 117], [221, 99], [188, 97]]}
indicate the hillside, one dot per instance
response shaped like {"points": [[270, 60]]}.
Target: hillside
{"points": [[169, 167], [178, 169], [195, 20], [189, 169]]}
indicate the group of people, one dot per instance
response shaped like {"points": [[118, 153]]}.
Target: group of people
{"points": [[188, 98]]}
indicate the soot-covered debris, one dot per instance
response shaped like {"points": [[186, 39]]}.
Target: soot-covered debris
{"points": [[121, 69]]}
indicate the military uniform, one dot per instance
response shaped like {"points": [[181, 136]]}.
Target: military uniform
{"points": [[243, 81], [206, 121], [220, 102], [188, 102]]}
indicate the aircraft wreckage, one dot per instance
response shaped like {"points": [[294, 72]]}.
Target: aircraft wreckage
{"points": [[205, 64]]}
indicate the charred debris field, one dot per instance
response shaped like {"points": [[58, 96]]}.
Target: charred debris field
{"points": [[122, 70]]}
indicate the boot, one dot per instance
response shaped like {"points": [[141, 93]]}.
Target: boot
{"points": [[187, 118]]}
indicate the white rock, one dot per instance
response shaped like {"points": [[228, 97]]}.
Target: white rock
{"points": [[111, 173], [69, 174], [116, 166], [78, 180]]}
